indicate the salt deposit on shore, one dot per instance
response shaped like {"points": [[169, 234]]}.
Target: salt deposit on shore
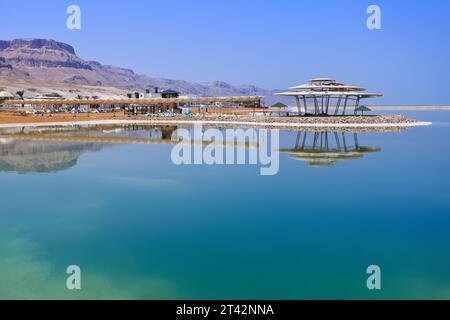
{"points": [[392, 121]]}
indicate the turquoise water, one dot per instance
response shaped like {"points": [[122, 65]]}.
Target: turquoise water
{"points": [[141, 227]]}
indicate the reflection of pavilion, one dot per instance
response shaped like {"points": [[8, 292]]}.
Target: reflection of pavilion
{"points": [[327, 148]]}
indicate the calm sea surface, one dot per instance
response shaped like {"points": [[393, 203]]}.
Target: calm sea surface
{"points": [[141, 227]]}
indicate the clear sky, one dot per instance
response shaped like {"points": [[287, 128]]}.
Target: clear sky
{"points": [[272, 44]]}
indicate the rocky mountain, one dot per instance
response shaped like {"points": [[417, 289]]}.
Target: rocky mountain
{"points": [[41, 63]]}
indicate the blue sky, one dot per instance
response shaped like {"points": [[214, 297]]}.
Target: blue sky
{"points": [[272, 44]]}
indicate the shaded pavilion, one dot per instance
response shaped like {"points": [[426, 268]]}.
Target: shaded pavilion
{"points": [[325, 96]]}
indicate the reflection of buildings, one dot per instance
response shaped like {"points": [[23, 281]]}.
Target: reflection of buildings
{"points": [[327, 148], [27, 156], [127, 133], [52, 150]]}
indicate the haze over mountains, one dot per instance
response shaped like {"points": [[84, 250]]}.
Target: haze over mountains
{"points": [[41, 66]]}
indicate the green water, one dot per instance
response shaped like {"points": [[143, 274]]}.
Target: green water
{"points": [[141, 227]]}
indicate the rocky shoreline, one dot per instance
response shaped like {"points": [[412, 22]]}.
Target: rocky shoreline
{"points": [[317, 123], [385, 123], [314, 120]]}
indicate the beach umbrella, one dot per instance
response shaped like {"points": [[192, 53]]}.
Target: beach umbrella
{"points": [[279, 105], [362, 109]]}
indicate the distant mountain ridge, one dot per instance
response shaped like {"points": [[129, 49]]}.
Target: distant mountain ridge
{"points": [[56, 62]]}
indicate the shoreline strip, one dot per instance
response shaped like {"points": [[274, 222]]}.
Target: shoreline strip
{"points": [[215, 122]]}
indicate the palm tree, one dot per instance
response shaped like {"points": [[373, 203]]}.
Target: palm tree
{"points": [[21, 93]]}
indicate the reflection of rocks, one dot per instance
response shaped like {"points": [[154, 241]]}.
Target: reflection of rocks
{"points": [[26, 156], [28, 150], [5, 140], [327, 148]]}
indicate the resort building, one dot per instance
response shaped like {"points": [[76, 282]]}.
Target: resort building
{"points": [[172, 102], [326, 96], [155, 93], [170, 94]]}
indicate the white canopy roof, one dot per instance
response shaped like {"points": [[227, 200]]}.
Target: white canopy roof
{"points": [[330, 93], [332, 86], [322, 80], [327, 87]]}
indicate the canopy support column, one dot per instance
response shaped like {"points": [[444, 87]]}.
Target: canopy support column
{"points": [[345, 105], [304, 104], [321, 108], [297, 100], [338, 105], [357, 104], [316, 105], [328, 103]]}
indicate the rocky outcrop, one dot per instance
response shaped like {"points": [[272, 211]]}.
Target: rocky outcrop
{"points": [[43, 63], [4, 65], [41, 53], [36, 44], [80, 80]]}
